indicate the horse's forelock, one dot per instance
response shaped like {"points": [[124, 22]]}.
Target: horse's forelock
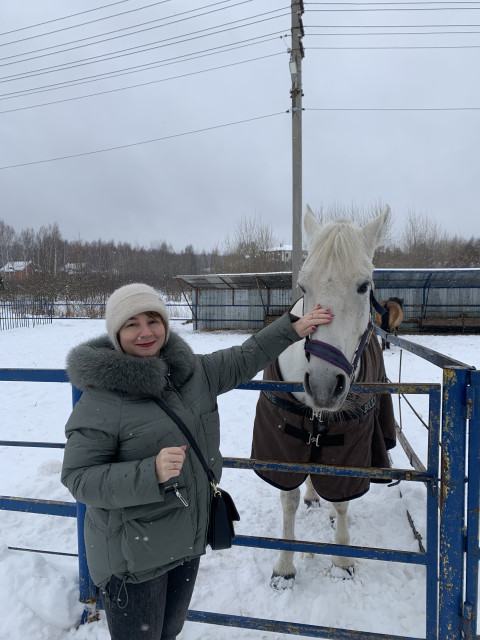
{"points": [[336, 245]]}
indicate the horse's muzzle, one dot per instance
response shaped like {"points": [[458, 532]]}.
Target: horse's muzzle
{"points": [[327, 395]]}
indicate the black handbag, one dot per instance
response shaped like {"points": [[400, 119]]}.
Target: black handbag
{"points": [[223, 512], [223, 515]]}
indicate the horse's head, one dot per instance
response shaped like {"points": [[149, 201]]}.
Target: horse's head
{"points": [[337, 273], [399, 301]]}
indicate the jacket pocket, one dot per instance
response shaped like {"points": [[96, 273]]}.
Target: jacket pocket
{"points": [[175, 496], [158, 536]]}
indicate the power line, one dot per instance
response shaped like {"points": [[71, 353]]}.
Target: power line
{"points": [[145, 67], [395, 9], [144, 84], [449, 2], [392, 109], [107, 33], [72, 15], [136, 144], [129, 51], [460, 46], [198, 31], [83, 24], [396, 33], [249, 17], [389, 26]]}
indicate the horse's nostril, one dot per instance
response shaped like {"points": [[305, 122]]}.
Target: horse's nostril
{"points": [[341, 384]]}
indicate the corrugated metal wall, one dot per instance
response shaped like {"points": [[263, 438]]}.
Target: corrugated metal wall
{"points": [[238, 309], [439, 297], [435, 303]]}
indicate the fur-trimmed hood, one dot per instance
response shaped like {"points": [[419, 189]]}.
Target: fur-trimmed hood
{"points": [[98, 364]]}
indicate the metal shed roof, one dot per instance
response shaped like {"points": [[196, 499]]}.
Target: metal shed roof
{"points": [[426, 278], [277, 280], [384, 279]]}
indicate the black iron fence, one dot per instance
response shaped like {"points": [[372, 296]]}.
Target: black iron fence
{"points": [[24, 312]]}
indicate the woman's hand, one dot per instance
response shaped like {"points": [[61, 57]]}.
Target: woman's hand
{"points": [[311, 320], [169, 463]]}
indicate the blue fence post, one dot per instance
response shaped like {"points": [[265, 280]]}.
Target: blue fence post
{"points": [[88, 592], [470, 605], [432, 515], [452, 519]]}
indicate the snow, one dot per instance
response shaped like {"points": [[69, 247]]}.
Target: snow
{"points": [[39, 592]]}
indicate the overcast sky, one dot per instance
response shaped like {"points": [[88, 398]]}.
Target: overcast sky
{"points": [[391, 99]]}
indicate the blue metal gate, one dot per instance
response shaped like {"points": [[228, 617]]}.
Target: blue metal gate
{"points": [[452, 479]]}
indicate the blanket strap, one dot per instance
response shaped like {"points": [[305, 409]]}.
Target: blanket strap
{"points": [[321, 439], [302, 410]]}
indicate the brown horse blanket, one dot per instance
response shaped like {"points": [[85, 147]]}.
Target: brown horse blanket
{"points": [[358, 436]]}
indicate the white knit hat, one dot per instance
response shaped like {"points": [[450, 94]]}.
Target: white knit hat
{"points": [[128, 301]]}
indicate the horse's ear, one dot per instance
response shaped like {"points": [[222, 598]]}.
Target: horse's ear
{"points": [[374, 231], [310, 223]]}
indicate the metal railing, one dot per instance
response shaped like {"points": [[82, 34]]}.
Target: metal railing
{"points": [[451, 556]]}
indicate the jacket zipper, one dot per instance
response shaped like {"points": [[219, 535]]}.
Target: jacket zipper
{"points": [[174, 487]]}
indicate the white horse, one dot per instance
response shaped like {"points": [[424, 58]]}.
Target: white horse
{"points": [[337, 273]]}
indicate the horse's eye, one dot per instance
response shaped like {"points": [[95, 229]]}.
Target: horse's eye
{"points": [[300, 287], [363, 288]]}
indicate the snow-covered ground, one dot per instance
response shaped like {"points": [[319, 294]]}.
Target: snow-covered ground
{"points": [[39, 592]]}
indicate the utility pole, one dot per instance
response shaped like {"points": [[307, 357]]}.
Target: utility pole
{"points": [[296, 55]]}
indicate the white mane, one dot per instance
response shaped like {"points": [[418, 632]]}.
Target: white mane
{"points": [[337, 245]]}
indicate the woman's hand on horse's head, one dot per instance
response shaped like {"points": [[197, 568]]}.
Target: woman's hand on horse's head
{"points": [[312, 319]]}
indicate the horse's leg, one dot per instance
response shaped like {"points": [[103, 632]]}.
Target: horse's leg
{"points": [[284, 570], [310, 498], [342, 536]]}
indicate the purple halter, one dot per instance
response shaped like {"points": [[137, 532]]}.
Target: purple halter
{"points": [[330, 354], [335, 356]]}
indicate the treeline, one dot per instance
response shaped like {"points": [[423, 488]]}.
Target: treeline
{"points": [[64, 270], [89, 271], [423, 244]]}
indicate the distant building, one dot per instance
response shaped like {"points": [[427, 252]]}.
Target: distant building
{"points": [[72, 268], [78, 268], [283, 253], [18, 270]]}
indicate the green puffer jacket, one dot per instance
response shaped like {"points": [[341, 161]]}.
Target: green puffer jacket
{"points": [[136, 528]]}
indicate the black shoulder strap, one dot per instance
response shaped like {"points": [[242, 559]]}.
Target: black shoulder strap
{"points": [[183, 428]]}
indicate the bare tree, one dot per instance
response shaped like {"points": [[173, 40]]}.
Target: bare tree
{"points": [[248, 249], [49, 249], [7, 237], [26, 243], [422, 240]]}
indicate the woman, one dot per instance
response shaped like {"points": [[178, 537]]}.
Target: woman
{"points": [[146, 493]]}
